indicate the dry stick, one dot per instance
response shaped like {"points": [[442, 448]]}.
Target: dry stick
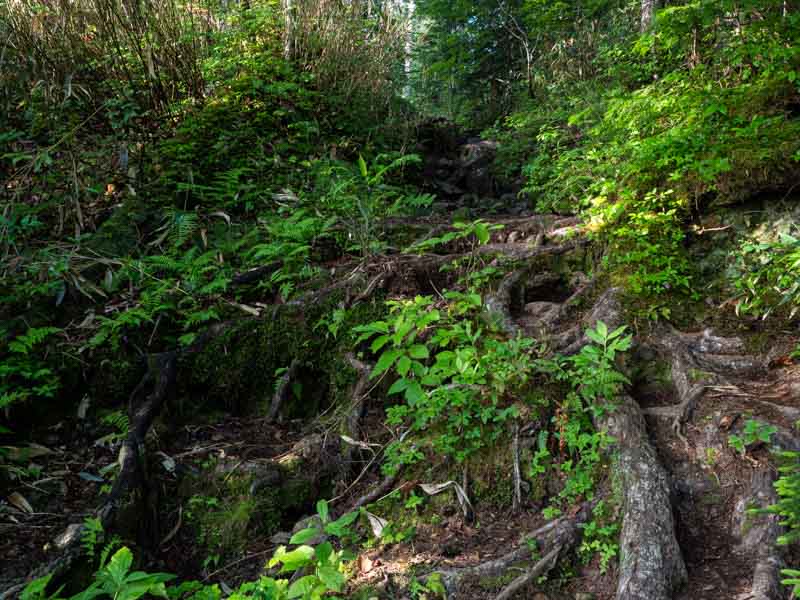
{"points": [[517, 475], [539, 569]]}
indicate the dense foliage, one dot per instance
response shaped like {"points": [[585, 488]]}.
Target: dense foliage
{"points": [[169, 166]]}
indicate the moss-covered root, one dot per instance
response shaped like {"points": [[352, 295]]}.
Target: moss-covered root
{"points": [[651, 564]]}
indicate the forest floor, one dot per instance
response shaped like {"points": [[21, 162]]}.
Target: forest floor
{"points": [[694, 387]]}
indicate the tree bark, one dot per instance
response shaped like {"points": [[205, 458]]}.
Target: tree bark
{"points": [[648, 14]]}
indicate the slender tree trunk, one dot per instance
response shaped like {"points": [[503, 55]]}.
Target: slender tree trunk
{"points": [[288, 34], [648, 14]]}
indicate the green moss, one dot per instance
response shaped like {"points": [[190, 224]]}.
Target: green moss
{"points": [[501, 581], [238, 368]]}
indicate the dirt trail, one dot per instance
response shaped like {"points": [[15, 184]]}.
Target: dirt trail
{"points": [[686, 532]]}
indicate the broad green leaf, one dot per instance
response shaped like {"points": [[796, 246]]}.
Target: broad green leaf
{"points": [[398, 386], [331, 577], [323, 552], [418, 351], [119, 565], [403, 365], [482, 233], [386, 360], [340, 526], [302, 586], [297, 558], [414, 393], [304, 535], [378, 343], [595, 337], [323, 510]]}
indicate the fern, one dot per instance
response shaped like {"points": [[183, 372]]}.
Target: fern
{"points": [[24, 343]]}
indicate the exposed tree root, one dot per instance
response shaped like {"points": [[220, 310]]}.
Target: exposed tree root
{"points": [[758, 535], [699, 361], [651, 564], [539, 569], [146, 402], [559, 535], [359, 394], [605, 309], [517, 502], [376, 493], [144, 407]]}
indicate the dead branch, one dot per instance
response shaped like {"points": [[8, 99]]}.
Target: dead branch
{"points": [[539, 569]]}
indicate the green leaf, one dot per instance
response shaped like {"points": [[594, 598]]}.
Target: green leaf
{"points": [[36, 588], [332, 579], [119, 565], [403, 365], [302, 586], [297, 558], [418, 351], [595, 337], [378, 343], [304, 535], [323, 510], [386, 360], [362, 166], [323, 552], [482, 233], [398, 386], [339, 527], [414, 393]]}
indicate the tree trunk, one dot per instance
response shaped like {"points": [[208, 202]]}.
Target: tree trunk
{"points": [[288, 34], [648, 14]]}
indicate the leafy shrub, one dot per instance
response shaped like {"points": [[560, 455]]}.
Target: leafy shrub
{"points": [[323, 570], [769, 276]]}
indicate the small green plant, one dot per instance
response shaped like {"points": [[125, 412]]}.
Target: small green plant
{"points": [[769, 276], [787, 508], [753, 431], [595, 382], [24, 375], [114, 580], [457, 383], [600, 536], [431, 589], [91, 535], [322, 571]]}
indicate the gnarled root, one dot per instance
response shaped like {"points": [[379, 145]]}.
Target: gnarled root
{"points": [[698, 361], [651, 564], [559, 536], [758, 535], [144, 408]]}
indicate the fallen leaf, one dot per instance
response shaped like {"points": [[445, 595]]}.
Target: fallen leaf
{"points": [[365, 564], [436, 488], [376, 523], [18, 501]]}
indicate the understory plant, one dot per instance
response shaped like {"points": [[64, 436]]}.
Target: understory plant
{"points": [[456, 378], [305, 572], [769, 276]]}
